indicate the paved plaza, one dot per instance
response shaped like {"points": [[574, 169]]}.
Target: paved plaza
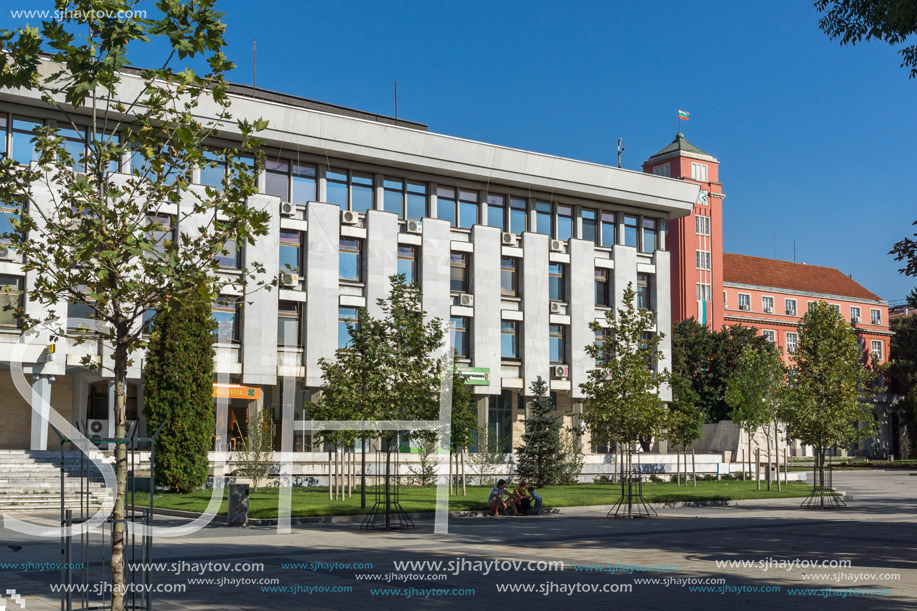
{"points": [[314, 564]]}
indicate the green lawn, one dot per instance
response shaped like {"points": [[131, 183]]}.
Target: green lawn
{"points": [[314, 501]]}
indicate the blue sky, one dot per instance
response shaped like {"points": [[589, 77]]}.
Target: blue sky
{"points": [[816, 141]]}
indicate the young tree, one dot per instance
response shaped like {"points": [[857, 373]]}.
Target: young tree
{"points": [[828, 389], [623, 390], [464, 423], [541, 452], [92, 235], [902, 375], [684, 419], [178, 390], [754, 394], [257, 449]]}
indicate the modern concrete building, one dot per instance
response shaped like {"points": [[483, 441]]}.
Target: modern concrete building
{"points": [[520, 250]]}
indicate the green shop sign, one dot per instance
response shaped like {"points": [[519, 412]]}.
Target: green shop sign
{"points": [[477, 376]]}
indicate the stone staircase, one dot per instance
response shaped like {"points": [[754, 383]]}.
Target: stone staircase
{"points": [[30, 482]]}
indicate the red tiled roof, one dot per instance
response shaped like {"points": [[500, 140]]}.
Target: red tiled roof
{"points": [[743, 269]]}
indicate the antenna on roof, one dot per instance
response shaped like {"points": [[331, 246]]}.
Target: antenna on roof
{"points": [[396, 99], [254, 57], [620, 150], [794, 251]]}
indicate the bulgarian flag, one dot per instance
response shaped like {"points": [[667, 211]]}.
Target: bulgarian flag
{"points": [[684, 115]]}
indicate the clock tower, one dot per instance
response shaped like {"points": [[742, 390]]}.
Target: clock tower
{"points": [[695, 241]]}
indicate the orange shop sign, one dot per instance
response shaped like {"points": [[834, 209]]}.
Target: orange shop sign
{"points": [[236, 391]]}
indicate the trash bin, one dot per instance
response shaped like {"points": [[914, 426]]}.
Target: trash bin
{"points": [[238, 504]]}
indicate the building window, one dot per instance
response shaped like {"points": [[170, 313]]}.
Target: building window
{"points": [[602, 292], [564, 230], [407, 263], [517, 216], [4, 126], [877, 350], [227, 312], [588, 225], [509, 339], [161, 233], [875, 317], [291, 182], [149, 319], [704, 292], [792, 342], [630, 231], [744, 301], [644, 298], [543, 218], [290, 249], [509, 277], [790, 307], [767, 305], [649, 235], [468, 209], [835, 308], [445, 204], [725, 300], [230, 257], [460, 324], [459, 273], [609, 229], [702, 259], [663, 170], [496, 211], [345, 315], [811, 305], [702, 225], [214, 170], [405, 198], [699, 172], [10, 297], [288, 327], [854, 314], [557, 343], [74, 143], [23, 149], [500, 422], [350, 190], [769, 335], [556, 284], [351, 263]]}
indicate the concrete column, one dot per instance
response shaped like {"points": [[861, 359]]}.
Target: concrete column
{"points": [[431, 199], [661, 296], [80, 400], [486, 323], [625, 272], [381, 257], [535, 308], [436, 252], [41, 410], [259, 308], [379, 188], [322, 274], [322, 186], [662, 229], [582, 311]]}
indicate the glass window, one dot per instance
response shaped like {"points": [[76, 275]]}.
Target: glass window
{"points": [[214, 172], [767, 304], [558, 344], [589, 226], [854, 314], [231, 255], [543, 218], [609, 229], [704, 292], [74, 143], [630, 231], [769, 335], [336, 188], [468, 209], [602, 296], [500, 421], [351, 264], [811, 305], [564, 222], [744, 301], [160, 231], [644, 297], [149, 318], [877, 350], [556, 288], [302, 184], [3, 127], [875, 317], [361, 192], [290, 249], [76, 312], [517, 216], [291, 182], [496, 210], [459, 273], [702, 225], [792, 342], [141, 166], [509, 277], [509, 339], [649, 235], [416, 201], [702, 259], [10, 300], [277, 178], [407, 262], [288, 327], [345, 315], [9, 219], [23, 149], [227, 314], [461, 336], [789, 307], [662, 170], [393, 198], [445, 204]]}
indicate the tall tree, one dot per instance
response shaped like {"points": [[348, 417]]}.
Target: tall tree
{"points": [[684, 420], [541, 454], [902, 374], [622, 390], [178, 390], [464, 423], [85, 229]]}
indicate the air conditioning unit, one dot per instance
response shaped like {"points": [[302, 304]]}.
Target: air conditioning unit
{"points": [[413, 227], [466, 300], [7, 253], [854, 319], [557, 245], [560, 371], [791, 312], [289, 279], [508, 239], [349, 217], [97, 428], [768, 310], [557, 307], [287, 209], [745, 307]]}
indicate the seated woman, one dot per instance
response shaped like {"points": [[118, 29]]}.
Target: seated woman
{"points": [[495, 501], [520, 499]]}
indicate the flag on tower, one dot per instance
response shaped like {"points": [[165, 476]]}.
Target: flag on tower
{"points": [[682, 114]]}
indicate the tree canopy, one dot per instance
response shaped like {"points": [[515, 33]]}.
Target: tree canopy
{"points": [[902, 374]]}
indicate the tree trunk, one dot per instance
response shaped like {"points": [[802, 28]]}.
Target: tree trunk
{"points": [[758, 467], [749, 454], [767, 466], [464, 489], [118, 514], [451, 454], [363, 473], [678, 468], [330, 477], [777, 454]]}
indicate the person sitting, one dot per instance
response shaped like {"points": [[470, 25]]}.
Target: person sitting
{"points": [[495, 501], [534, 500], [520, 500]]}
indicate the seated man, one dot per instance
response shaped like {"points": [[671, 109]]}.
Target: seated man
{"points": [[535, 500], [520, 500], [495, 501]]}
